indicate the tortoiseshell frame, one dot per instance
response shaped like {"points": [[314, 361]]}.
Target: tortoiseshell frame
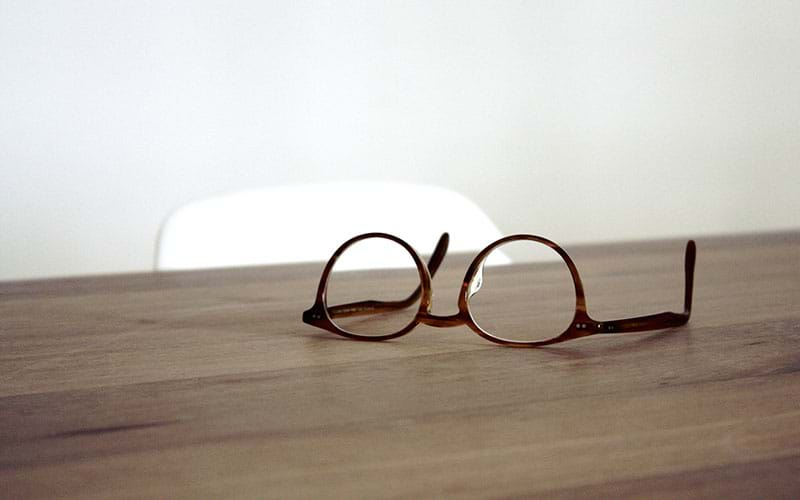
{"points": [[321, 316]]}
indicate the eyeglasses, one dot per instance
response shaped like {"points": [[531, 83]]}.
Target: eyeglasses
{"points": [[369, 319]]}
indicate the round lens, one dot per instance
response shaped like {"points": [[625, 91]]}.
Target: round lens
{"points": [[373, 288], [531, 300]]}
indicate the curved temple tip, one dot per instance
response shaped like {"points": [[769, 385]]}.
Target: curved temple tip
{"points": [[691, 253], [438, 253]]}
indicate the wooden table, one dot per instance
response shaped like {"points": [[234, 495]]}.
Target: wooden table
{"points": [[207, 385]]}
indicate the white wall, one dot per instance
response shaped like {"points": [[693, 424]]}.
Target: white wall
{"points": [[581, 121]]}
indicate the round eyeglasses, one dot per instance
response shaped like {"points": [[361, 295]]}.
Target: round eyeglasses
{"points": [[376, 287]]}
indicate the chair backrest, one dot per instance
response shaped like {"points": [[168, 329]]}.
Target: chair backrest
{"points": [[305, 223]]}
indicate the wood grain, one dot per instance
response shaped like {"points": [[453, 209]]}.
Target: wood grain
{"points": [[206, 384]]}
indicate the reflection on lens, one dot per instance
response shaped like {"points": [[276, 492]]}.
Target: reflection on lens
{"points": [[374, 269], [533, 300]]}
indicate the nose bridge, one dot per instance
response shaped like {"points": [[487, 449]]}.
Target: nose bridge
{"points": [[442, 321]]}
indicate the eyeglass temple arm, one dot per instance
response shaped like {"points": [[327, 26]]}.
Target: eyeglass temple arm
{"points": [[378, 306], [660, 320]]}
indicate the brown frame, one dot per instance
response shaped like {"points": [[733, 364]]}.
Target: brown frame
{"points": [[582, 325]]}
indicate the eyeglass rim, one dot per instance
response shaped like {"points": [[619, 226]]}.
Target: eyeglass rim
{"points": [[580, 297], [425, 284]]}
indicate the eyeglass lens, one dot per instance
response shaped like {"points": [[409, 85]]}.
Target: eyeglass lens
{"points": [[374, 269], [532, 300]]}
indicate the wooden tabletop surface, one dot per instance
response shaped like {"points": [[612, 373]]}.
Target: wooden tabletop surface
{"points": [[208, 385]]}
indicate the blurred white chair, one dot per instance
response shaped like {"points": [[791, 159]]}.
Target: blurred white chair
{"points": [[305, 223]]}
